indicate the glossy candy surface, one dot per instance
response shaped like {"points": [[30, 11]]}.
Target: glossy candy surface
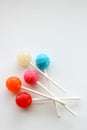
{"points": [[31, 76], [13, 84], [23, 100], [24, 58], [42, 61]]}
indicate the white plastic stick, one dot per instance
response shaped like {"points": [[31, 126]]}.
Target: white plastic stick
{"points": [[45, 88], [68, 108], [65, 99], [55, 103], [70, 98], [41, 99], [53, 96], [44, 95], [49, 97], [51, 80]]}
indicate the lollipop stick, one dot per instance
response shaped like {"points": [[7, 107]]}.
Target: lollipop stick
{"points": [[55, 103], [68, 108], [45, 88], [53, 96], [52, 81], [54, 99], [65, 99], [47, 80], [44, 95], [70, 98], [41, 99]]}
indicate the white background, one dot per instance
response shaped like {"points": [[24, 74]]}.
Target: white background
{"points": [[58, 28]]}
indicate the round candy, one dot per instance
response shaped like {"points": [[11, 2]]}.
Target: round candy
{"points": [[13, 84], [24, 58], [31, 76], [23, 100], [42, 61]]}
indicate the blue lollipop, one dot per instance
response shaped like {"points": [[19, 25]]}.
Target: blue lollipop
{"points": [[42, 61]]}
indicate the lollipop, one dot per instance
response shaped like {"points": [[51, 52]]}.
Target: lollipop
{"points": [[24, 100], [24, 59], [43, 62], [31, 77], [14, 85]]}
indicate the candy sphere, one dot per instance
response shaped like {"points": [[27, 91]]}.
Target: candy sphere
{"points": [[31, 76], [13, 84], [24, 58], [42, 61], [23, 100]]}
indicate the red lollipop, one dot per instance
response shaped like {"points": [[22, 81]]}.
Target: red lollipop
{"points": [[23, 100]]}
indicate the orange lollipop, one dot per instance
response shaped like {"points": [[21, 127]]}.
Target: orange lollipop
{"points": [[13, 84]]}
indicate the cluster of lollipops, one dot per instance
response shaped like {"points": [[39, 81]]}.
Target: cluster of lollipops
{"points": [[24, 98]]}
